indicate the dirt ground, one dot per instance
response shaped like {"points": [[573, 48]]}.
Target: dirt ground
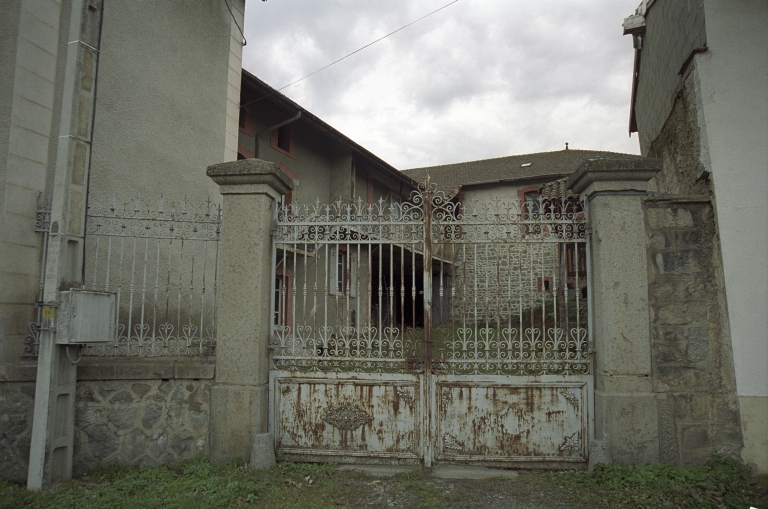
{"points": [[419, 489]]}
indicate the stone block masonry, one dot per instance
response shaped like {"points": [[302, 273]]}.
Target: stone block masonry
{"points": [[126, 413], [140, 422], [504, 279], [692, 366], [17, 401]]}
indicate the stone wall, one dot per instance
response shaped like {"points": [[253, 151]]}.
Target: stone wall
{"points": [[16, 409], [140, 422], [679, 146], [692, 365], [492, 281], [126, 411]]}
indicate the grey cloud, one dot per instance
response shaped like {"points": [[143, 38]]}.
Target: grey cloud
{"points": [[540, 72]]}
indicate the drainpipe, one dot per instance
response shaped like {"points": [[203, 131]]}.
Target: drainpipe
{"points": [[272, 128]]}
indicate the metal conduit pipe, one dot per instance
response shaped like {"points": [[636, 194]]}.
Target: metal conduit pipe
{"points": [[272, 128]]}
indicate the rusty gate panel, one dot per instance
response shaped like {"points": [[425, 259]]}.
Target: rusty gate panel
{"points": [[331, 418], [506, 421]]}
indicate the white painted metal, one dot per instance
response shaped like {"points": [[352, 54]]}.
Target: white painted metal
{"points": [[160, 259], [492, 330]]}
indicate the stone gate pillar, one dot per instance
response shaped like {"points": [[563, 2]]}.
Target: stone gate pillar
{"points": [[240, 395], [626, 418]]}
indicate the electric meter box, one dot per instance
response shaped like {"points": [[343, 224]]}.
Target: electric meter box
{"points": [[85, 317]]}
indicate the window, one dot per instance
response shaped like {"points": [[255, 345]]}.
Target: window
{"points": [[532, 202], [292, 195], [579, 265], [530, 208], [243, 153], [282, 138], [283, 313], [246, 127], [279, 292], [343, 272]]}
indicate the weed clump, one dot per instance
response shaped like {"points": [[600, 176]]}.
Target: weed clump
{"points": [[720, 483]]}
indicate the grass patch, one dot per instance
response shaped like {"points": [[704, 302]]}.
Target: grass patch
{"points": [[721, 483], [191, 484], [416, 484]]}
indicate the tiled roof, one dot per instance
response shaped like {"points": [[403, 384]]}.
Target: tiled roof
{"points": [[561, 163], [556, 190]]}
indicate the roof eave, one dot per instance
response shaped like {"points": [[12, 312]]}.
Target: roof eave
{"points": [[372, 158]]}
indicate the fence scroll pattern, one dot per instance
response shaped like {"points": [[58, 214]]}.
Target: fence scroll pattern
{"points": [[506, 281], [160, 258]]}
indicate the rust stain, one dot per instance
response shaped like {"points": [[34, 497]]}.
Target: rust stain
{"points": [[551, 413], [486, 420]]}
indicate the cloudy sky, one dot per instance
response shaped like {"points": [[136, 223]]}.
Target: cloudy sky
{"points": [[478, 79]]}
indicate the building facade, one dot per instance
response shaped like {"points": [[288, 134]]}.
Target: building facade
{"points": [[126, 98]]}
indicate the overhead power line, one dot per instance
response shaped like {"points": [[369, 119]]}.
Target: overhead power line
{"points": [[350, 54]]}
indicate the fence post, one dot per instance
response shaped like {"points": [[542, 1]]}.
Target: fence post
{"points": [[626, 421], [240, 395]]}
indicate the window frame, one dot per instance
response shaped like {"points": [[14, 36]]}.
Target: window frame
{"points": [[287, 130], [347, 268], [283, 315]]}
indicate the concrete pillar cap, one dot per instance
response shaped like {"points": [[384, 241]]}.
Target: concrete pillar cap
{"points": [[616, 173], [249, 172]]}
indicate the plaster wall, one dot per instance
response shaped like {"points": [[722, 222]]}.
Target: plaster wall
{"points": [[324, 166], [507, 193], [733, 80], [234, 71], [31, 45], [313, 159], [341, 175], [163, 99], [9, 25], [165, 84]]}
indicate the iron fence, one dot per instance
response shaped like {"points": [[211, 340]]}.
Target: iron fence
{"points": [[431, 284], [161, 260]]}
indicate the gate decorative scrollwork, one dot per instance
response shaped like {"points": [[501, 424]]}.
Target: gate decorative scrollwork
{"points": [[431, 283]]}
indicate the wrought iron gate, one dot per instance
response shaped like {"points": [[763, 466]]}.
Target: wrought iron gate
{"points": [[431, 331]]}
